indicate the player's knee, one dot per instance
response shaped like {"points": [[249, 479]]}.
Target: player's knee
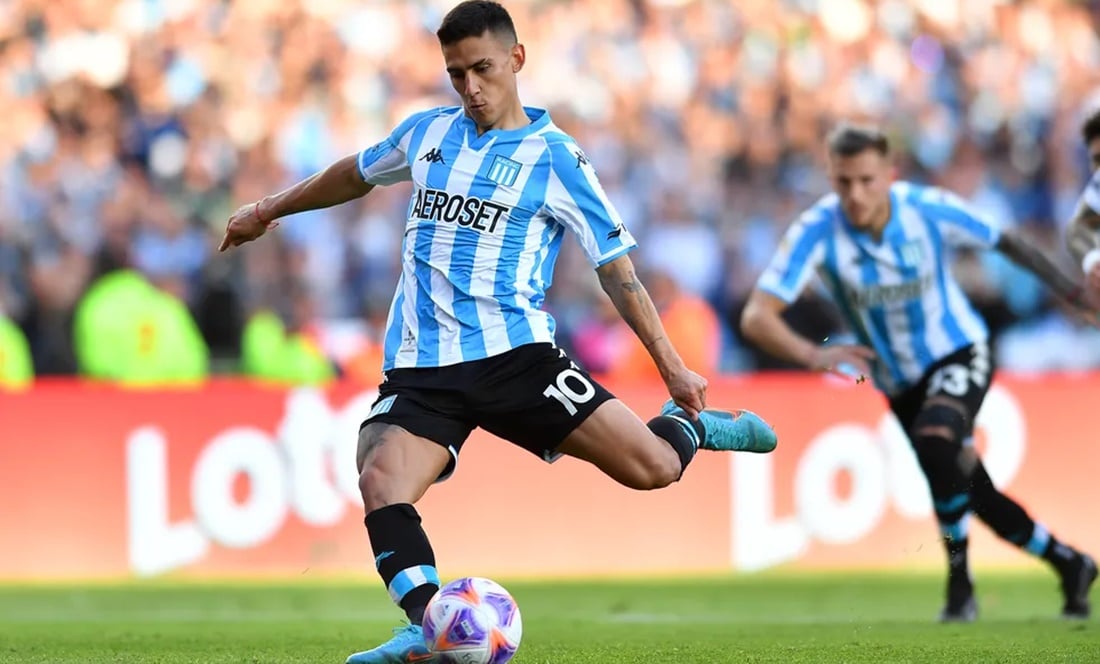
{"points": [[940, 421], [655, 469], [937, 435]]}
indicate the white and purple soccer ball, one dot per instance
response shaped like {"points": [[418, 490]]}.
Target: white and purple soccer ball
{"points": [[473, 621]]}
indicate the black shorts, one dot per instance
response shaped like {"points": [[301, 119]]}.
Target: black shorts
{"points": [[964, 375], [532, 396]]}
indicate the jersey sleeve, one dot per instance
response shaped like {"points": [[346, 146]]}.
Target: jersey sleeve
{"points": [[958, 222], [800, 253], [387, 162], [575, 199], [1090, 198]]}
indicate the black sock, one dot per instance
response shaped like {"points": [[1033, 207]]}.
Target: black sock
{"points": [[404, 557], [951, 501], [958, 564], [1060, 556], [683, 434], [1004, 515]]}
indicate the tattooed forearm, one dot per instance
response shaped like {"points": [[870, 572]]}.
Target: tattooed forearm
{"points": [[1032, 259], [631, 300]]}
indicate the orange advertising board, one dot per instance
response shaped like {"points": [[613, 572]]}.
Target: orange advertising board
{"points": [[235, 479]]}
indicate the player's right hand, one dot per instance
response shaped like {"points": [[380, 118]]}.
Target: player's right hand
{"points": [[689, 391], [244, 226], [832, 358]]}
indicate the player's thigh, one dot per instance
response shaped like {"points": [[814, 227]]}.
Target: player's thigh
{"points": [[417, 411], [951, 396], [546, 404], [618, 442]]}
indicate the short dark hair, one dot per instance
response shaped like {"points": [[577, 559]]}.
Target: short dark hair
{"points": [[472, 19], [1091, 127], [848, 140]]}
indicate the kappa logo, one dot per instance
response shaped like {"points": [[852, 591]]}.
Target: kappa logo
{"points": [[582, 158], [618, 230], [434, 156]]}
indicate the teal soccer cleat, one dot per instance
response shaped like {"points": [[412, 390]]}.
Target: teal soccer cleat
{"points": [[406, 647], [737, 431]]}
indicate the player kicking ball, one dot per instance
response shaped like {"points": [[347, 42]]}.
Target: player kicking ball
{"points": [[496, 185], [880, 247]]}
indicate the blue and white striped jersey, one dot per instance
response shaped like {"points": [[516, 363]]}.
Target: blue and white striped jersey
{"points": [[483, 230], [897, 294]]}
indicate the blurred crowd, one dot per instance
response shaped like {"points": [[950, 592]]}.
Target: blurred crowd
{"points": [[133, 128]]}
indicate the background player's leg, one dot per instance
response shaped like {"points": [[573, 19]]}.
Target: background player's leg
{"points": [[936, 435], [1011, 521], [635, 454], [395, 470]]}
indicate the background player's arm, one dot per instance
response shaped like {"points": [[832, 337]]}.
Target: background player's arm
{"points": [[1027, 256], [762, 323], [962, 226], [632, 301]]}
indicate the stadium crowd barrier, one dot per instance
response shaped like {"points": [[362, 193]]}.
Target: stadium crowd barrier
{"points": [[236, 479]]}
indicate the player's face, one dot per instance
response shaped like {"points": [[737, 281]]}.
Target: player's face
{"points": [[1094, 153], [862, 182], [483, 72]]}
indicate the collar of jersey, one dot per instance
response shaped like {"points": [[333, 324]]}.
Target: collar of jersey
{"points": [[539, 118]]}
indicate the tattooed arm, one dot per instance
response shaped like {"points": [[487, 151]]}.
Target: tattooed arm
{"points": [[618, 280], [1027, 256]]}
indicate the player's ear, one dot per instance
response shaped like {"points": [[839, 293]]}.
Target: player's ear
{"points": [[519, 57]]}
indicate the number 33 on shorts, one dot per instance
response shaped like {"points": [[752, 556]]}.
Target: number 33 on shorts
{"points": [[955, 379]]}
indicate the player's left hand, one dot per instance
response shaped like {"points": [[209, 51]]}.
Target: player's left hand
{"points": [[244, 226], [689, 390]]}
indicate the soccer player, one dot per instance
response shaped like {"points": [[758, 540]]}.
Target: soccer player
{"points": [[1083, 234], [880, 248], [496, 185]]}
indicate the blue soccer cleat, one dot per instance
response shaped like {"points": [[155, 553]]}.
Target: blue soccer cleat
{"points": [[406, 647], [737, 431]]}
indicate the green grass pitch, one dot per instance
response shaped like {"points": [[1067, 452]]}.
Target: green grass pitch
{"points": [[769, 617]]}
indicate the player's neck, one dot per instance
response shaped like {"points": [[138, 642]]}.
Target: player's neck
{"points": [[878, 227], [515, 118]]}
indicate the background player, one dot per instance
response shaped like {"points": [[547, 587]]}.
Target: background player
{"points": [[1083, 234], [881, 249], [495, 186]]}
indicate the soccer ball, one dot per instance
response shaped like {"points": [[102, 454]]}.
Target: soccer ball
{"points": [[472, 621]]}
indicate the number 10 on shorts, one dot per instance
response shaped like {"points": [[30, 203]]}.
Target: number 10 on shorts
{"points": [[563, 390]]}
